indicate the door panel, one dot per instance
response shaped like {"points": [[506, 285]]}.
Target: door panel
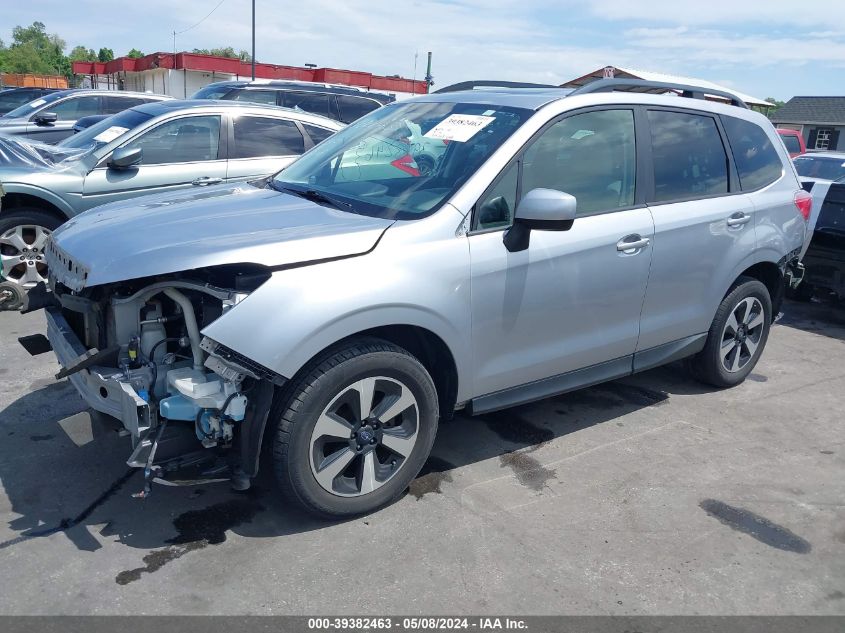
{"points": [[569, 301], [191, 143], [572, 299], [698, 241]]}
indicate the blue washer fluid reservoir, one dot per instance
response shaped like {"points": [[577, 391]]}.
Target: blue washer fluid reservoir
{"points": [[178, 407]]}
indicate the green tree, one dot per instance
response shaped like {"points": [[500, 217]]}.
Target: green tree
{"points": [[134, 53], [777, 106], [33, 50], [244, 56], [227, 51], [105, 55], [82, 54]]}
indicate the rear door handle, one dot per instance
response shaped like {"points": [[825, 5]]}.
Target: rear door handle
{"points": [[631, 243], [739, 219], [203, 181]]}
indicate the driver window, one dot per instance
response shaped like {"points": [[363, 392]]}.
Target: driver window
{"points": [[590, 156], [184, 140]]}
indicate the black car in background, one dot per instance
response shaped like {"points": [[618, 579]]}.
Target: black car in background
{"points": [[824, 260], [335, 102], [11, 98]]}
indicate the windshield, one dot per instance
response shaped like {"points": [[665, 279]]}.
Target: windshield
{"points": [[823, 168], [402, 161], [31, 106], [107, 130], [211, 92]]}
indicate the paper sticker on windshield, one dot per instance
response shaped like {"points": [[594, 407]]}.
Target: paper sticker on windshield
{"points": [[37, 103], [107, 136], [459, 127]]}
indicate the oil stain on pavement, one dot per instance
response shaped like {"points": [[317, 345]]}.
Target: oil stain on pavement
{"points": [[196, 529], [528, 470], [756, 526], [434, 472]]}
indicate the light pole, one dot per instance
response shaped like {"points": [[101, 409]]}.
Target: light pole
{"points": [[253, 40]]}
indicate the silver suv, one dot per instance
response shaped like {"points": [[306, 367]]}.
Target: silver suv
{"points": [[338, 310]]}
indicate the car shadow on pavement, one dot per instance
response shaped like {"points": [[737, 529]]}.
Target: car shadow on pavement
{"points": [[822, 315], [62, 472]]}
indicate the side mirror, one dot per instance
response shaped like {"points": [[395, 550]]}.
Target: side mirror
{"points": [[46, 118], [542, 210], [125, 157]]}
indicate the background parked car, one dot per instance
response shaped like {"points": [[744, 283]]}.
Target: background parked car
{"points": [[50, 118], [821, 166], [87, 121], [793, 141], [11, 98], [340, 103], [824, 260], [154, 147]]}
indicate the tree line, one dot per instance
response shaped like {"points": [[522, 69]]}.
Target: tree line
{"points": [[33, 50]]}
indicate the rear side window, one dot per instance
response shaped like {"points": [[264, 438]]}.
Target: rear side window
{"points": [[260, 136], [689, 157], [266, 97], [757, 161], [352, 108], [313, 102], [317, 134], [114, 105]]}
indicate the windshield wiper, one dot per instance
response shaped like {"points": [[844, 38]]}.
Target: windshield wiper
{"points": [[314, 196]]}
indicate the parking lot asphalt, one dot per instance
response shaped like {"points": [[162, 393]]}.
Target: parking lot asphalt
{"points": [[650, 495]]}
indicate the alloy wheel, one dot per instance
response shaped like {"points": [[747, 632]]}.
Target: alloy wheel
{"points": [[364, 436], [742, 334], [22, 254]]}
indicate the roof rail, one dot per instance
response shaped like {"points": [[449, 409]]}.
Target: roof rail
{"points": [[692, 92], [470, 85]]}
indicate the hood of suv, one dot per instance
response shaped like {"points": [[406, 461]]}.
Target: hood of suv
{"points": [[227, 224]]}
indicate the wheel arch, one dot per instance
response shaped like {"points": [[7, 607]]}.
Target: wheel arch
{"points": [[17, 197], [767, 271]]}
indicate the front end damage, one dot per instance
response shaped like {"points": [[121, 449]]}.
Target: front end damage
{"points": [[195, 410]]}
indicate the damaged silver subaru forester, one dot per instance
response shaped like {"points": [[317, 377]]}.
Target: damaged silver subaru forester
{"points": [[335, 312]]}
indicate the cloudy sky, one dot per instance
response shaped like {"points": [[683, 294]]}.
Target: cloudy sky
{"points": [[765, 48]]}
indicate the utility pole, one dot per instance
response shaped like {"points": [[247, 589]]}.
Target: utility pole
{"points": [[253, 40], [429, 80]]}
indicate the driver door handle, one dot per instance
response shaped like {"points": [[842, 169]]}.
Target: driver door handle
{"points": [[631, 243], [203, 181]]}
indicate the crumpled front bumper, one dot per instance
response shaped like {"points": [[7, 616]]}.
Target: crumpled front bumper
{"points": [[103, 388]]}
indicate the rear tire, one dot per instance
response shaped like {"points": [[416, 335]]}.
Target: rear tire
{"points": [[737, 335], [338, 456]]}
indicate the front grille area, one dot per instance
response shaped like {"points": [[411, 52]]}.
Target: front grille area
{"points": [[63, 269]]}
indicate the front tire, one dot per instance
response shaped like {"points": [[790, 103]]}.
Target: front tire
{"points": [[354, 429], [737, 335], [23, 236]]}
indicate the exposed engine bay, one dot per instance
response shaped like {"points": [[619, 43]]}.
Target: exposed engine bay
{"points": [[195, 410]]}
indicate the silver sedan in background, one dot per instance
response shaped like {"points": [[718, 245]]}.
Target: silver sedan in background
{"points": [[155, 147]]}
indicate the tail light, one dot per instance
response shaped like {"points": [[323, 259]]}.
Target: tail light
{"points": [[804, 204]]}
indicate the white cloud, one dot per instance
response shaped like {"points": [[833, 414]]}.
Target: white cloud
{"points": [[731, 14]]}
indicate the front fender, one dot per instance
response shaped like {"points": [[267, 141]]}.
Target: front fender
{"points": [[299, 312], [44, 194]]}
